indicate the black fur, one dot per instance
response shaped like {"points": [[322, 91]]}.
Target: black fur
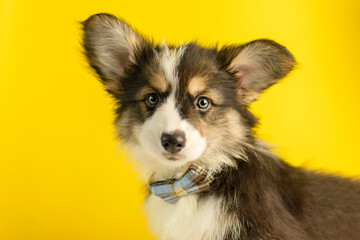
{"points": [[274, 200]]}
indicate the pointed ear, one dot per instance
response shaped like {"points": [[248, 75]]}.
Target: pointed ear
{"points": [[110, 46], [256, 66]]}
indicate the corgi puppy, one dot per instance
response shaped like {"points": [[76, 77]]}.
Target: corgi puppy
{"points": [[183, 111]]}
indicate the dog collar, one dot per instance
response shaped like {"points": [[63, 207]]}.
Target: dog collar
{"points": [[196, 179]]}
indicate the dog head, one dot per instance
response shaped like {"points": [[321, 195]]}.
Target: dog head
{"points": [[180, 104]]}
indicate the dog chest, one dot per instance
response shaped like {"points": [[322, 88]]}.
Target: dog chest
{"points": [[188, 219]]}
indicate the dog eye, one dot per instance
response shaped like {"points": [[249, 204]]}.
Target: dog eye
{"points": [[152, 100], [203, 103]]}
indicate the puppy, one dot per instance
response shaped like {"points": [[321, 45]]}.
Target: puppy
{"points": [[183, 111]]}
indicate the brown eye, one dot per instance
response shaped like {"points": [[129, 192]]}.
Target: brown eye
{"points": [[203, 103], [152, 100]]}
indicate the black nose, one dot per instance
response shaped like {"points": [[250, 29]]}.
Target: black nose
{"points": [[173, 142]]}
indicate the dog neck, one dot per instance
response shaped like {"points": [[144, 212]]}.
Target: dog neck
{"points": [[195, 180]]}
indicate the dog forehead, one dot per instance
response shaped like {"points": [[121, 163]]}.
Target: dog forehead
{"points": [[169, 59], [186, 67]]}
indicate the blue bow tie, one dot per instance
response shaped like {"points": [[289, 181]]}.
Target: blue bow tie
{"points": [[196, 179]]}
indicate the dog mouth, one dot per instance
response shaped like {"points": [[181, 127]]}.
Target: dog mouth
{"points": [[172, 156]]}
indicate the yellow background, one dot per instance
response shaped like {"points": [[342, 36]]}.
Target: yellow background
{"points": [[61, 176]]}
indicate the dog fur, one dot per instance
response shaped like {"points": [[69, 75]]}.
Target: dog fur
{"points": [[205, 94]]}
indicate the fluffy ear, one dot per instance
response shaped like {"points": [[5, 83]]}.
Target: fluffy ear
{"points": [[110, 45], [256, 65]]}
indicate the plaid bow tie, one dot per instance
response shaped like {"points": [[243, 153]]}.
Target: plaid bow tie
{"points": [[196, 179]]}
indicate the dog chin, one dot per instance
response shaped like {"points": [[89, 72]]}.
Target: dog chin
{"points": [[174, 159]]}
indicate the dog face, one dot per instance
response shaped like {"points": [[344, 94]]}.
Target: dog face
{"points": [[185, 103]]}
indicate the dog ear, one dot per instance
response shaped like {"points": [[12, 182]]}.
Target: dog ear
{"points": [[256, 65], [110, 46]]}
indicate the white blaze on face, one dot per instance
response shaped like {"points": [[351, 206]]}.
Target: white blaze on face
{"points": [[166, 118]]}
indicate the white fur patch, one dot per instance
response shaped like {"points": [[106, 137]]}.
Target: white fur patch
{"points": [[169, 60], [189, 218]]}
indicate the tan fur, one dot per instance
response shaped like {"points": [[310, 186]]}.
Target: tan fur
{"points": [[196, 85], [159, 83]]}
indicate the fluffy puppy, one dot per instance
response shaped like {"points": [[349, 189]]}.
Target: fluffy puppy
{"points": [[183, 111]]}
